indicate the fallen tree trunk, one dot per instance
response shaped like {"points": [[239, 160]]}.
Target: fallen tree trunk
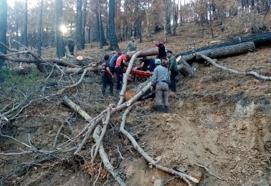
{"points": [[185, 68], [259, 40], [126, 76], [76, 108], [220, 52], [146, 52], [88, 129], [36, 61], [105, 159]]}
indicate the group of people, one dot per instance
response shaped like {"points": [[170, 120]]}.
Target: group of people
{"points": [[114, 66], [164, 71]]}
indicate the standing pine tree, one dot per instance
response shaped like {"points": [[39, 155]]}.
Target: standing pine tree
{"points": [[100, 24], [167, 26], [112, 32], [25, 32], [58, 22], [84, 20], [79, 25], [40, 28], [3, 32]]}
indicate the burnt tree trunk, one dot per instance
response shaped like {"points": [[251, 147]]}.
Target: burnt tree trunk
{"points": [[84, 20], [79, 24], [100, 27], [259, 40], [58, 35], [25, 31], [40, 28], [112, 32], [175, 11], [3, 30], [167, 26], [221, 52]]}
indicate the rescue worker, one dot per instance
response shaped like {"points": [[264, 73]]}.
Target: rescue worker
{"points": [[131, 46], [107, 76], [160, 81], [113, 61], [173, 70], [147, 64], [121, 64], [161, 50]]}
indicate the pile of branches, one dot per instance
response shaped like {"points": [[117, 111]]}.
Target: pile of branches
{"points": [[69, 64]]}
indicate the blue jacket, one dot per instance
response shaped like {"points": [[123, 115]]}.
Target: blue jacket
{"points": [[113, 60]]}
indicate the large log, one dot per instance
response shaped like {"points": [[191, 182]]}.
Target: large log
{"points": [[259, 40], [220, 52], [145, 52]]}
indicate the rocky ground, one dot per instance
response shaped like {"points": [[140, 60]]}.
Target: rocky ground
{"points": [[218, 129]]}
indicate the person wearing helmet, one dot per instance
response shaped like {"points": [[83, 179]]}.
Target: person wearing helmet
{"points": [[160, 81]]}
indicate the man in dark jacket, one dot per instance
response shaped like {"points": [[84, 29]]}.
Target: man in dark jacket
{"points": [[161, 50], [147, 64], [173, 70], [107, 76]]}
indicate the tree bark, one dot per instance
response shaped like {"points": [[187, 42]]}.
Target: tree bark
{"points": [[167, 26], [259, 40], [221, 52], [100, 27], [40, 28], [25, 32], [58, 35], [3, 29], [175, 11], [79, 25], [85, 14], [112, 32]]}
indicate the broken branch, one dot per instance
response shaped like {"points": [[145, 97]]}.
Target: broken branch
{"points": [[249, 73], [104, 157], [185, 177]]}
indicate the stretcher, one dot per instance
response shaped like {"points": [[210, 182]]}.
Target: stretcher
{"points": [[141, 74]]}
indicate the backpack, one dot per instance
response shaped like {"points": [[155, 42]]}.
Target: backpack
{"points": [[113, 61]]}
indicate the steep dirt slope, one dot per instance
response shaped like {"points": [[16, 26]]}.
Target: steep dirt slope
{"points": [[218, 121]]}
